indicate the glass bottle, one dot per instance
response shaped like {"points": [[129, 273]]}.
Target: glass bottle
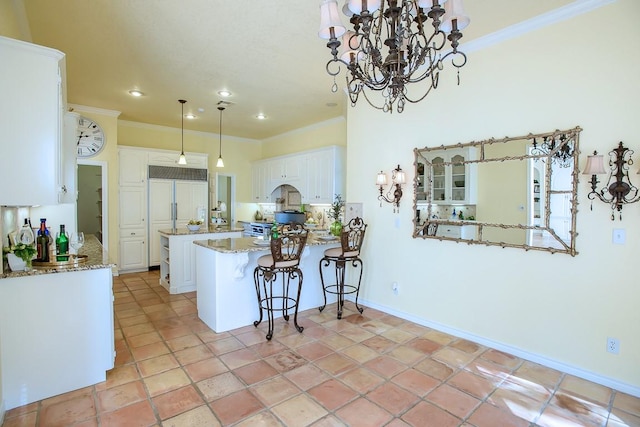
{"points": [[42, 241], [62, 245], [274, 230], [25, 236]]}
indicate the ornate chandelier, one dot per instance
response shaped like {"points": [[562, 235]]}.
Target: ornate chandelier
{"points": [[413, 52]]}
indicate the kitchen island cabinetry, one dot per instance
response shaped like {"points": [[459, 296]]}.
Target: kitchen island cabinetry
{"points": [[177, 253], [56, 328], [226, 290], [32, 120]]}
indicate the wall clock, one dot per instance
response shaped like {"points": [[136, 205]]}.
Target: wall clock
{"points": [[90, 137]]}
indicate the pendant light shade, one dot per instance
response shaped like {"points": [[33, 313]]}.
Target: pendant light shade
{"points": [[220, 163], [182, 160]]}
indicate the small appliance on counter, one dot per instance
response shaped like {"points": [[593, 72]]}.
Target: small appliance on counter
{"points": [[288, 216]]}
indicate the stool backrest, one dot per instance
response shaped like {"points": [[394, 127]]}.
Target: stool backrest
{"points": [[287, 248], [352, 237]]}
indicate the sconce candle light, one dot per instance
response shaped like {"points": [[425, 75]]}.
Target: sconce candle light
{"points": [[618, 190], [397, 179]]}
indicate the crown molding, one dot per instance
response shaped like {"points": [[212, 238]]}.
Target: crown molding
{"points": [[555, 16], [86, 109]]}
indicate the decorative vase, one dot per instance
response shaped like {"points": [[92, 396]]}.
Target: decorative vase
{"points": [[16, 263], [336, 228]]}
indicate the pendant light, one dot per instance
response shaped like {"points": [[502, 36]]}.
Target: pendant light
{"points": [[182, 160], [220, 163]]}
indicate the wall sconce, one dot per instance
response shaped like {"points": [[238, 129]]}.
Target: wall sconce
{"points": [[397, 179], [618, 190]]}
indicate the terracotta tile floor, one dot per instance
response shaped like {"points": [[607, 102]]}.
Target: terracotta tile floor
{"points": [[364, 370]]}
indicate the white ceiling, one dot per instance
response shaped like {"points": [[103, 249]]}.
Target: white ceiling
{"points": [[266, 53]]}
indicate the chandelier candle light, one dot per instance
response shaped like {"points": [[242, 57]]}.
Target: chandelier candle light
{"points": [[413, 52]]}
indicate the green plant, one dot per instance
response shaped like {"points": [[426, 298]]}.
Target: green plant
{"points": [[22, 251], [336, 208]]}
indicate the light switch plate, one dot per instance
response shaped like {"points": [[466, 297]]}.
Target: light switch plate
{"points": [[353, 210], [619, 236]]}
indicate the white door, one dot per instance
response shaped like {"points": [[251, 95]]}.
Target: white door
{"points": [[133, 253]]}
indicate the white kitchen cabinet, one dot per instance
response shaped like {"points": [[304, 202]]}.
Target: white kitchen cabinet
{"points": [[287, 170], [133, 208], [57, 334], [325, 175], [452, 180], [457, 231], [133, 250], [133, 167], [317, 174], [260, 175], [31, 119], [178, 253]]}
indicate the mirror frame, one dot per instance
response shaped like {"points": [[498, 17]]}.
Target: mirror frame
{"points": [[571, 136]]}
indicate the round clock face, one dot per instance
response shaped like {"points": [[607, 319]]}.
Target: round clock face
{"points": [[90, 137]]}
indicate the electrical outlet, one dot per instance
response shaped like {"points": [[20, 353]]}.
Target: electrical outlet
{"points": [[394, 288], [613, 345]]}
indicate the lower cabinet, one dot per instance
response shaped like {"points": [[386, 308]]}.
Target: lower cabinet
{"points": [[133, 250], [457, 231], [178, 259], [56, 334]]}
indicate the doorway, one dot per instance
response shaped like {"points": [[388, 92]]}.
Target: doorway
{"points": [[92, 203], [225, 197]]}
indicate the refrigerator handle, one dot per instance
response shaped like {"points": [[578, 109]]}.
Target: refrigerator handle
{"points": [[175, 211]]}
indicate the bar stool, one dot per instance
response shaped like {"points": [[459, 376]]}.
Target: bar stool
{"points": [[284, 260], [348, 252]]}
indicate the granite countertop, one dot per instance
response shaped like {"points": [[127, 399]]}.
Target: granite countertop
{"points": [[183, 231], [97, 257], [246, 244]]}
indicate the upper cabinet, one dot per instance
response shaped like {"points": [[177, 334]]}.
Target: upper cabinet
{"points": [[36, 149], [453, 178], [325, 175], [317, 174], [133, 167], [287, 170]]}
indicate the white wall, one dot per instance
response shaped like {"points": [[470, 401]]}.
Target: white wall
{"points": [[556, 309]]}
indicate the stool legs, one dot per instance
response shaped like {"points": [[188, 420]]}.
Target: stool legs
{"points": [[265, 279], [339, 287]]}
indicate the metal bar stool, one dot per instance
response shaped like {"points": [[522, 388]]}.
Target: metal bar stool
{"points": [[348, 253], [284, 260]]}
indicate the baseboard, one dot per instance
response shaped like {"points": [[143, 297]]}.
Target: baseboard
{"points": [[523, 354]]}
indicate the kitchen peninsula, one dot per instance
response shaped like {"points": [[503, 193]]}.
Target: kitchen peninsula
{"points": [[177, 254], [56, 327], [226, 290]]}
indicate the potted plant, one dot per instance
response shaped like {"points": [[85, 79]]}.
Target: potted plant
{"points": [[19, 256], [334, 213]]}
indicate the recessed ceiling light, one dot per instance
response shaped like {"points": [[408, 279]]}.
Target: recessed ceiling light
{"points": [[190, 116], [224, 93], [135, 93], [261, 116]]}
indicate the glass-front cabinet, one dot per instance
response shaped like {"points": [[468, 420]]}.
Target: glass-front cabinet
{"points": [[451, 176]]}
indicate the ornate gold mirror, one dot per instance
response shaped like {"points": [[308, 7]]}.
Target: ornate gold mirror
{"points": [[515, 192]]}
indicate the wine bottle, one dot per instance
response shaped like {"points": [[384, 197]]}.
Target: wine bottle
{"points": [[42, 241], [274, 231], [62, 245], [26, 234]]}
